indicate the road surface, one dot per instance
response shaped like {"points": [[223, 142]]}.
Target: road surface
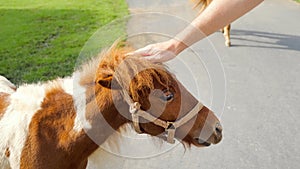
{"points": [[261, 86]]}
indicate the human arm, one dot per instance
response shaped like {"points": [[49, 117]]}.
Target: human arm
{"points": [[218, 14]]}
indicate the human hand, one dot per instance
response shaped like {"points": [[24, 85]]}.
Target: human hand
{"points": [[158, 52]]}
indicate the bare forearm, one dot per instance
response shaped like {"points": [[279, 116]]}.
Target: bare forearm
{"points": [[218, 14]]}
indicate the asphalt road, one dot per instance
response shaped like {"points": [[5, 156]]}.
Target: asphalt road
{"points": [[260, 90]]}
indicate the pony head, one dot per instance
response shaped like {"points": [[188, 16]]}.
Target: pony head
{"points": [[150, 97]]}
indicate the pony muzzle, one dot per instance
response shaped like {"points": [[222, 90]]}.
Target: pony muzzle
{"points": [[170, 127]]}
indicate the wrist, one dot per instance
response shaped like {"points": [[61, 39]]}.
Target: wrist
{"points": [[176, 46]]}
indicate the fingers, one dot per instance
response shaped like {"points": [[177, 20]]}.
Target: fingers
{"points": [[160, 57], [154, 53], [145, 51], [153, 59], [146, 56]]}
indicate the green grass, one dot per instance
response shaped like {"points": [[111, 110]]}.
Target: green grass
{"points": [[41, 39]]}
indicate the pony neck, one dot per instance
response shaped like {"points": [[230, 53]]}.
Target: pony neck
{"points": [[96, 113], [101, 117]]}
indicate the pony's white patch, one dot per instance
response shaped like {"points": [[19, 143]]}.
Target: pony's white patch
{"points": [[67, 85], [6, 86], [14, 124], [79, 97]]}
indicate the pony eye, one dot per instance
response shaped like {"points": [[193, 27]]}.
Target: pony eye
{"points": [[167, 95]]}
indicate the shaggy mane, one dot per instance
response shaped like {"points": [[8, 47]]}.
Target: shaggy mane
{"points": [[132, 73]]}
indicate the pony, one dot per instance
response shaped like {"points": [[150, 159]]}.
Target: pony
{"points": [[6, 86], [225, 30], [61, 123]]}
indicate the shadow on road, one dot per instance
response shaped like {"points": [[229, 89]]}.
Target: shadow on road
{"points": [[259, 39]]}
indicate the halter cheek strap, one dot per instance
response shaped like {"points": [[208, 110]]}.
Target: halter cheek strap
{"points": [[170, 127]]}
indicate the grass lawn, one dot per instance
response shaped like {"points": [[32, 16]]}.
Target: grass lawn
{"points": [[41, 39]]}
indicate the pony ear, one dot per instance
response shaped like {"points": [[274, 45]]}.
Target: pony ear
{"points": [[105, 81]]}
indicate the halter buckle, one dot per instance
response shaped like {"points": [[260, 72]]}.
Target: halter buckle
{"points": [[170, 125], [134, 107], [170, 132]]}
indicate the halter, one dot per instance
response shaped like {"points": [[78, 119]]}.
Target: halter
{"points": [[170, 127]]}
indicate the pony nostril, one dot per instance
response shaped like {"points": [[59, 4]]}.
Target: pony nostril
{"points": [[219, 129]]}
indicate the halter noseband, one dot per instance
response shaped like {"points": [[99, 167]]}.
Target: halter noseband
{"points": [[170, 127]]}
